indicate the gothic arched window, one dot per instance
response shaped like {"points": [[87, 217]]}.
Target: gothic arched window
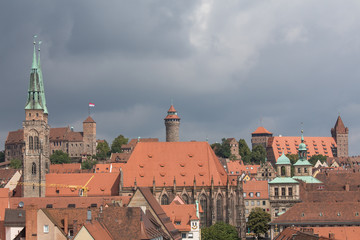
{"points": [[203, 215], [36, 142], [164, 200], [185, 198], [33, 169], [31, 142], [219, 208], [232, 205]]}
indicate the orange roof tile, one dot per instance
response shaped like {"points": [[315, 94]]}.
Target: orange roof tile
{"points": [[165, 161], [261, 130], [58, 133], [119, 157], [4, 202], [172, 117], [340, 233], [254, 186], [234, 167], [65, 168], [89, 120], [63, 202], [97, 230], [172, 109], [102, 184], [15, 137], [314, 145], [102, 167], [180, 215]]}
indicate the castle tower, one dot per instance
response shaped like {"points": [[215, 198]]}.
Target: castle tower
{"points": [[36, 160], [341, 135], [260, 137], [172, 123], [89, 137]]}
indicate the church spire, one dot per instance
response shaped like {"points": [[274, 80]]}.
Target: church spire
{"points": [[34, 100], [41, 83], [302, 148]]}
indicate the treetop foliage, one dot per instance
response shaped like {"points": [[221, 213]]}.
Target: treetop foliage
{"points": [[219, 231], [258, 221], [59, 157], [117, 143]]}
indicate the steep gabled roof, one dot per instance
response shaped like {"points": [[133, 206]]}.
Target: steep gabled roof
{"points": [[180, 215], [97, 230], [89, 120], [15, 137], [166, 161], [339, 126]]}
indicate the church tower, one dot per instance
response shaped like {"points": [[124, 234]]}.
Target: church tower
{"points": [[341, 135], [172, 123], [36, 160]]}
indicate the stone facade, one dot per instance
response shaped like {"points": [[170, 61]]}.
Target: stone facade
{"points": [[341, 135], [172, 124], [260, 137], [234, 148]]}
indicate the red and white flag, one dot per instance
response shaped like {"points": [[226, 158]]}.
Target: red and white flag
{"points": [[91, 105]]}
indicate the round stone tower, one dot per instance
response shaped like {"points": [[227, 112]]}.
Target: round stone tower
{"points": [[172, 123]]}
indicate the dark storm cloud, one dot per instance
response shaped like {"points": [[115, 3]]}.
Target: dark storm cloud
{"points": [[229, 65]]}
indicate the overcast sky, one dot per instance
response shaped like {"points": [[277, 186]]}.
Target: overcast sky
{"points": [[229, 66]]}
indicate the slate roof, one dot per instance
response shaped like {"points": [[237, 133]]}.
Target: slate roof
{"points": [[165, 161]]}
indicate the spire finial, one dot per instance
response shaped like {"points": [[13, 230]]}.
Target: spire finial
{"points": [[39, 43], [34, 64], [172, 101]]}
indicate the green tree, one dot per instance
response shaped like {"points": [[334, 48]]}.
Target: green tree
{"points": [[258, 155], [88, 164], [219, 231], [244, 150], [117, 143], [15, 163], [2, 156], [103, 150], [258, 221], [293, 159], [315, 158], [59, 157], [222, 149]]}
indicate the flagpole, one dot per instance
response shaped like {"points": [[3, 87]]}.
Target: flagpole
{"points": [[89, 109]]}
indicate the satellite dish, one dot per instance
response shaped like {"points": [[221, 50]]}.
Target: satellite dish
{"points": [[21, 204]]}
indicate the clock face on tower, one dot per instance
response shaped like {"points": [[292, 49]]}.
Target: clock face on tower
{"points": [[194, 225]]}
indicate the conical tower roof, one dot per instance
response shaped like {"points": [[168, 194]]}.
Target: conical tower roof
{"points": [[172, 114], [339, 126], [261, 130]]}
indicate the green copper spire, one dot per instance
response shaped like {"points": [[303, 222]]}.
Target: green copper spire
{"points": [[302, 152], [41, 83], [34, 64], [34, 99]]}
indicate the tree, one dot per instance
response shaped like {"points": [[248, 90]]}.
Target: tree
{"points": [[88, 164], [222, 149], [315, 158], [219, 231], [117, 143], [258, 221], [2, 156], [59, 157], [103, 150], [244, 150], [15, 163], [258, 154]]}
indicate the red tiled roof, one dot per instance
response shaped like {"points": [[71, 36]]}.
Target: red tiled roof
{"points": [[318, 213], [261, 130], [119, 157], [180, 215], [102, 167], [340, 233], [172, 117], [63, 202], [293, 233], [234, 167], [58, 133], [6, 175], [15, 137], [255, 187], [4, 202], [65, 168], [97, 230], [102, 184], [171, 109], [314, 145], [89, 120], [339, 126], [74, 136], [165, 161]]}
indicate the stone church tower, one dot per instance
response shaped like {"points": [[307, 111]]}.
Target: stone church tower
{"points": [[172, 123], [36, 159], [341, 135]]}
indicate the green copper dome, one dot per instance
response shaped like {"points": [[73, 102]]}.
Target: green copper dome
{"points": [[283, 160]]}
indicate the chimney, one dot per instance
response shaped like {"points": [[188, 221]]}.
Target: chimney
{"points": [[332, 235], [66, 223], [88, 216]]}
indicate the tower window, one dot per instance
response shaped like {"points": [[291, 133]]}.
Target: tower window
{"points": [[164, 200], [33, 169], [36, 142], [31, 143]]}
